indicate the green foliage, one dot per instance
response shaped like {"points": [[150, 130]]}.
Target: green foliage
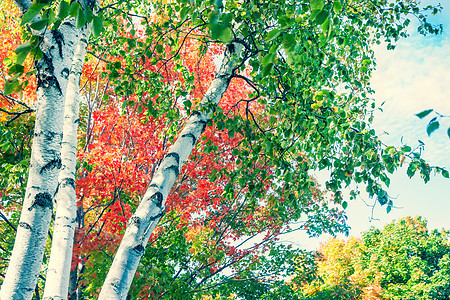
{"points": [[309, 107], [14, 160], [412, 259], [404, 260], [41, 17]]}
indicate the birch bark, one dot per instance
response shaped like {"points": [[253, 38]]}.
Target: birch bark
{"points": [[58, 274], [52, 75], [151, 209]]}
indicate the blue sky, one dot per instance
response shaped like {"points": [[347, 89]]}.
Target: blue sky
{"points": [[412, 78]]}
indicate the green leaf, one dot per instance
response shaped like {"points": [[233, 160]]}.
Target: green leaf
{"points": [[325, 26], [382, 197], [273, 34], [16, 69], [432, 126], [25, 47], [88, 13], [74, 8], [321, 17], [317, 4], [81, 18], [215, 29], [268, 58], [445, 174], [448, 132], [226, 35], [159, 48], [97, 26], [63, 10], [266, 70], [51, 16], [11, 86], [5, 146], [39, 25], [43, 1], [385, 179], [273, 48], [288, 41], [406, 149], [184, 12], [337, 6], [344, 204], [21, 57], [389, 206], [31, 13], [424, 113], [218, 4]]}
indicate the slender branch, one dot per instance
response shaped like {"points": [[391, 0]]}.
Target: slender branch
{"points": [[7, 221], [8, 97]]}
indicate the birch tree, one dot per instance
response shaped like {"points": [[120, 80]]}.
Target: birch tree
{"points": [[301, 55], [52, 73], [65, 220], [56, 47]]}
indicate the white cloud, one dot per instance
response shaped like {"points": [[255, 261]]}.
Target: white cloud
{"points": [[413, 78]]}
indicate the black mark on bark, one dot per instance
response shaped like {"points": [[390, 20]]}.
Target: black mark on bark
{"points": [[46, 74], [134, 221], [139, 249], [48, 135], [175, 155], [225, 77], [198, 115], [115, 284], [157, 198], [153, 185], [68, 181], [190, 135], [203, 123], [65, 73], [174, 168], [42, 199], [59, 39], [157, 216], [54, 163], [25, 225], [230, 48]]}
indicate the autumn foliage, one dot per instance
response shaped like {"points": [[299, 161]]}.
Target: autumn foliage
{"points": [[203, 232], [248, 180], [404, 260]]}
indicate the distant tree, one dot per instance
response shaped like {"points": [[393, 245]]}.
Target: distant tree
{"points": [[412, 262], [402, 261], [307, 106]]}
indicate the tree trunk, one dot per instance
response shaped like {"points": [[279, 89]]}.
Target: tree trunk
{"points": [[151, 209], [52, 75], [58, 274]]}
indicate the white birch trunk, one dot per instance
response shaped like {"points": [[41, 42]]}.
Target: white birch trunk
{"points": [[52, 74], [151, 209], [58, 274]]}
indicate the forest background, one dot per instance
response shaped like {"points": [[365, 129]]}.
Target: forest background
{"points": [[220, 255]]}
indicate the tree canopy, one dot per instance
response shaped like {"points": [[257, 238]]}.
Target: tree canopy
{"points": [[205, 117]]}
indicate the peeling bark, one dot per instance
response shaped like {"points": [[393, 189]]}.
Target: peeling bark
{"points": [[151, 208], [58, 274]]}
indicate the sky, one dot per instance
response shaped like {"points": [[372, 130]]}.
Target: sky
{"points": [[412, 78]]}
